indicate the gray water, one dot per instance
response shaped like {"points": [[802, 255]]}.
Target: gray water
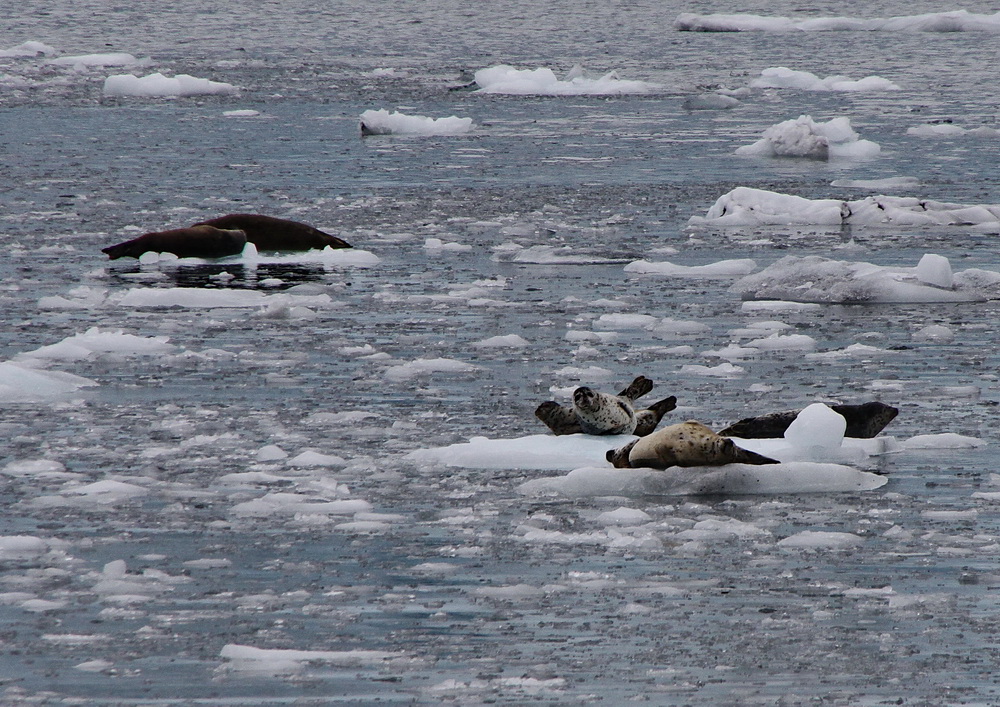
{"points": [[908, 616]]}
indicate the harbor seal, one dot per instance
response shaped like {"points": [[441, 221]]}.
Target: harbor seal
{"points": [[598, 413], [270, 233], [863, 421], [685, 444], [201, 241]]}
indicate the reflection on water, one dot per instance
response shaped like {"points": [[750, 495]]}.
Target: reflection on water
{"points": [[270, 276]]}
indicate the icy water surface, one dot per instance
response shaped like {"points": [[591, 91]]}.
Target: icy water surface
{"points": [[233, 517]]}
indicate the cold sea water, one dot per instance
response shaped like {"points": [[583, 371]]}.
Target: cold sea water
{"points": [[235, 516]]}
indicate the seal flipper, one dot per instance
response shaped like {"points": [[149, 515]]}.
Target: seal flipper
{"points": [[561, 420], [619, 457], [648, 419], [637, 388], [745, 456]]}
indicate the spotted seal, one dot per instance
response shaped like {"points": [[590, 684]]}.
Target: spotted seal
{"points": [[201, 241], [685, 444], [270, 233], [598, 413], [863, 421]]}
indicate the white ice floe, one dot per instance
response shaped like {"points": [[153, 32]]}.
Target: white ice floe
{"points": [[953, 21], [875, 184], [382, 122], [28, 49], [22, 384], [821, 280], [720, 269], [746, 206], [544, 82], [951, 130], [945, 440], [783, 77], [284, 661], [804, 137], [86, 61], [731, 479], [96, 341], [159, 86], [821, 540], [507, 341], [427, 366]]}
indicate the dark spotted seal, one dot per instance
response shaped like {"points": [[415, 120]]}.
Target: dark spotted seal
{"points": [[603, 414], [270, 233], [863, 421], [194, 242], [686, 444]]}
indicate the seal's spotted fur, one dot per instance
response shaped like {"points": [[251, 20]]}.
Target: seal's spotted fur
{"points": [[686, 444], [598, 413]]}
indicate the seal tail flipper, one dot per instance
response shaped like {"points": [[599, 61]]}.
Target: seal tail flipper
{"points": [[561, 420], [619, 457], [637, 388], [648, 419], [745, 456]]}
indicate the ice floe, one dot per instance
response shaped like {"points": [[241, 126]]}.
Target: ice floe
{"points": [[81, 62], [285, 661], [382, 122], [951, 130], [505, 79], [28, 49], [953, 21], [159, 86], [746, 206], [804, 137], [821, 280], [719, 269], [783, 77]]}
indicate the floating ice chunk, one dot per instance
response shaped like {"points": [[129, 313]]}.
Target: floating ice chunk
{"points": [[85, 61], [21, 384], [817, 428], [278, 504], [821, 540], [820, 280], [946, 440], [427, 366], [34, 467], [952, 21], [723, 370], [508, 341], [159, 86], [803, 137], [313, 458], [710, 101], [783, 77], [935, 270], [242, 113], [722, 268], [731, 479], [934, 332], [876, 184], [382, 122], [784, 342], [26, 49], [96, 341], [535, 452], [543, 82], [21, 547], [951, 130], [280, 661], [618, 322], [624, 516]]}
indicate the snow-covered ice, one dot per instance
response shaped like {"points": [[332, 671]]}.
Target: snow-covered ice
{"points": [[159, 86], [382, 122], [834, 139], [505, 79], [783, 77]]}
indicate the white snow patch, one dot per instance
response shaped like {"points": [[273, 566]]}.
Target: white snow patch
{"points": [[382, 122]]}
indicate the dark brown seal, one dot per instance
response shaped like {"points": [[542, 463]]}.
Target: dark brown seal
{"points": [[195, 242], [270, 233], [863, 421]]}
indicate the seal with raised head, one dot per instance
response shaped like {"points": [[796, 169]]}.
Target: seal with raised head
{"points": [[598, 413], [863, 421], [685, 444], [194, 242], [270, 233]]}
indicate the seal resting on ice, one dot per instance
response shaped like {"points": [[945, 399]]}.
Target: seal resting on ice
{"points": [[270, 233], [863, 421], [685, 444], [200, 241], [598, 413]]}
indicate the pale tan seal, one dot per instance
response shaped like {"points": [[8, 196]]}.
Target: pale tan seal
{"points": [[685, 444], [597, 413]]}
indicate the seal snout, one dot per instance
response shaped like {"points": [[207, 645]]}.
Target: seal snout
{"points": [[584, 397]]}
